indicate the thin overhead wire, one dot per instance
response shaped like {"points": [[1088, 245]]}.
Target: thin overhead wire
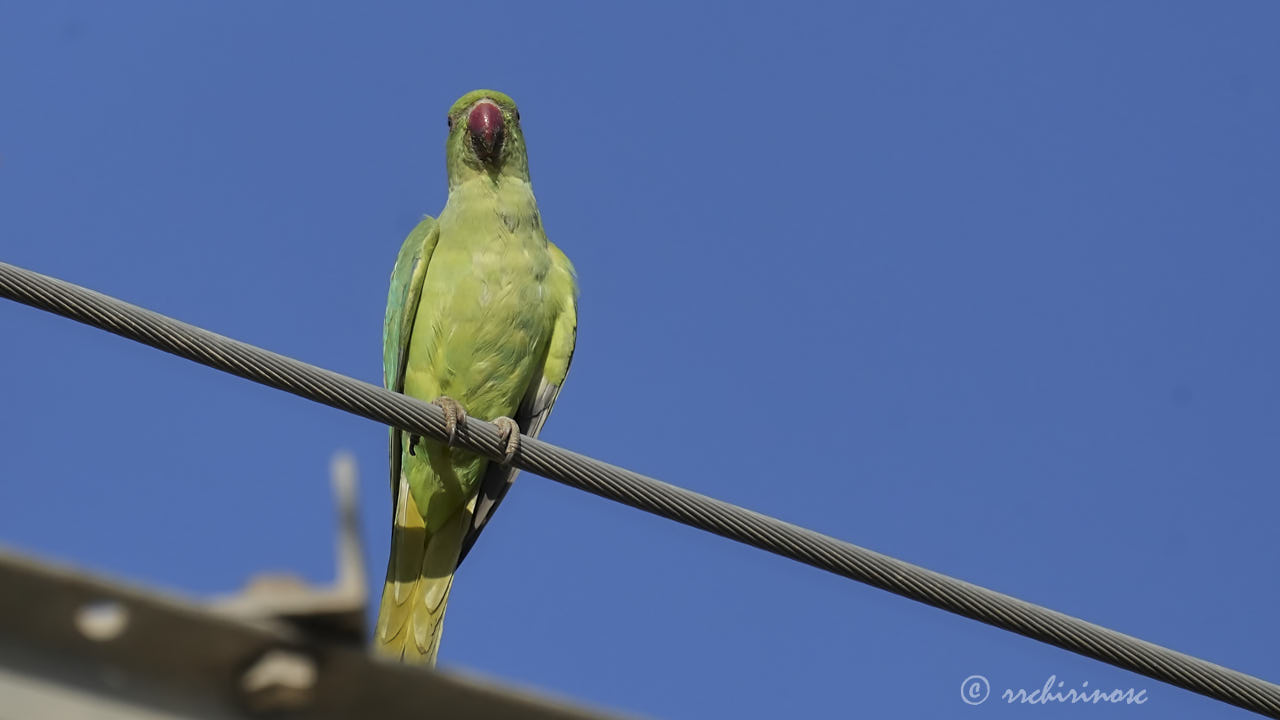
{"points": [[644, 493]]}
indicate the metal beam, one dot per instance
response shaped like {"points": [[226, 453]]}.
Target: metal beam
{"points": [[74, 645]]}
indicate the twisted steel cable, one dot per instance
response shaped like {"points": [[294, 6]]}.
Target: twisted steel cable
{"points": [[644, 493]]}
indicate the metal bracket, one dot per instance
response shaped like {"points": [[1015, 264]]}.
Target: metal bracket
{"points": [[335, 612]]}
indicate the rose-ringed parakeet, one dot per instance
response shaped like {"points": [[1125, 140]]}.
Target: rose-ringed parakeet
{"points": [[481, 319]]}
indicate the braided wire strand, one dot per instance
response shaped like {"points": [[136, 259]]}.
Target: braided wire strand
{"points": [[644, 493]]}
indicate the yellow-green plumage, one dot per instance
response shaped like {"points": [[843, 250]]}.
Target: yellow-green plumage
{"points": [[482, 309]]}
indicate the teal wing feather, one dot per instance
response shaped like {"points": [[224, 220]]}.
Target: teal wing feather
{"points": [[402, 309]]}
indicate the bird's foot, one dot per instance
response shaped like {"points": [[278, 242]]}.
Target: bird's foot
{"points": [[508, 435], [454, 416]]}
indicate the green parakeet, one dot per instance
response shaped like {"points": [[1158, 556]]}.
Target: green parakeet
{"points": [[481, 319]]}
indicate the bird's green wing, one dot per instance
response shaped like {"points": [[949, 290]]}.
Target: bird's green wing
{"points": [[402, 309], [537, 403]]}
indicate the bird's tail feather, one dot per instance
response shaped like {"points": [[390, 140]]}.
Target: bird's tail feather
{"points": [[419, 577]]}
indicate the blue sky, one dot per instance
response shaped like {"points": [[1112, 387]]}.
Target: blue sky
{"points": [[990, 287]]}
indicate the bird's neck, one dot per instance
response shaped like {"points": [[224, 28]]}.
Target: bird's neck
{"points": [[508, 200]]}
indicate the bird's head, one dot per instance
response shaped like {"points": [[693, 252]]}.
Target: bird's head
{"points": [[485, 138]]}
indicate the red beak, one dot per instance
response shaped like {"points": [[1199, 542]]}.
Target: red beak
{"points": [[486, 126]]}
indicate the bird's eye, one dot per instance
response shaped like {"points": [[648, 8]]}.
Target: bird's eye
{"points": [[517, 116], [450, 119]]}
